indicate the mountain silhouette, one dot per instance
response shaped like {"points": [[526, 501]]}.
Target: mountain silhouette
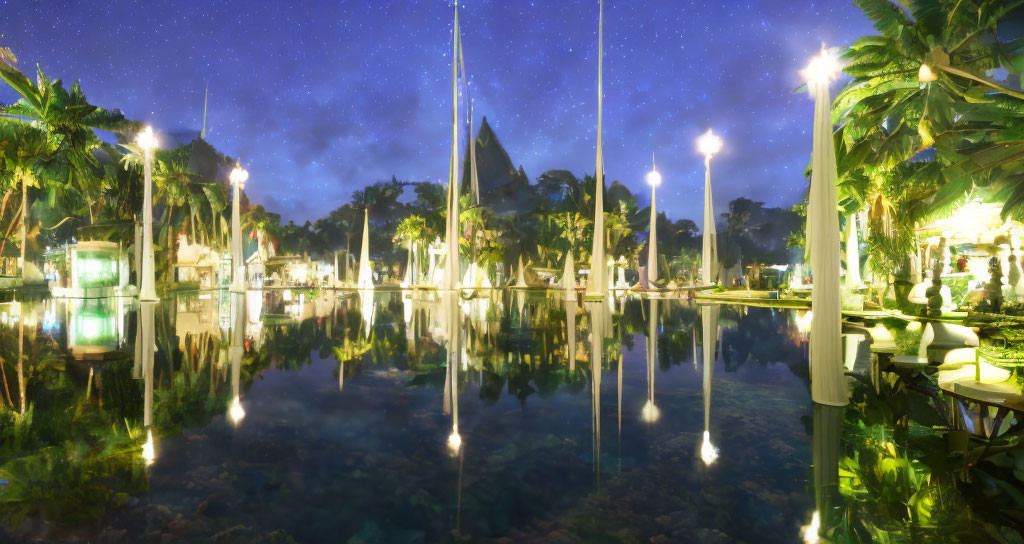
{"points": [[501, 183]]}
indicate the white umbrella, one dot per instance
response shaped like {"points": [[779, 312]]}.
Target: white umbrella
{"points": [[828, 385]]}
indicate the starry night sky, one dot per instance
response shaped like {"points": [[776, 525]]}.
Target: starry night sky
{"points": [[319, 98]]}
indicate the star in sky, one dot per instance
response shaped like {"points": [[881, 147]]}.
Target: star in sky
{"points": [[321, 98]]}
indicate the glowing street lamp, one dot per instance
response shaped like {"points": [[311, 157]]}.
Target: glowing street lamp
{"points": [[708, 145], [238, 178], [828, 385], [926, 75], [654, 180], [147, 292]]}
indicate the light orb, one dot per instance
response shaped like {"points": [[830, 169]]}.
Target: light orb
{"points": [[454, 442], [650, 413], [810, 532], [239, 176], [822, 69], [803, 322], [709, 144], [926, 75], [146, 139], [653, 178], [708, 452], [148, 449], [235, 411]]}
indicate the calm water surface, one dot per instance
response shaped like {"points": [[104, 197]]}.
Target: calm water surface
{"points": [[574, 423]]}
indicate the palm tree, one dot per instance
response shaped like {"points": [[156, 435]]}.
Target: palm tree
{"points": [[25, 153], [920, 125], [172, 182], [69, 121]]}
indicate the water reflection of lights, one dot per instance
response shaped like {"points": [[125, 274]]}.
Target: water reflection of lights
{"points": [[803, 322], [50, 316], [708, 452], [235, 411], [148, 449], [810, 532], [454, 441], [650, 413]]}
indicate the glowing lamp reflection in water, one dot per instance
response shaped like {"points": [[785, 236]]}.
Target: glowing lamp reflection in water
{"points": [[810, 532], [235, 411], [708, 452]]}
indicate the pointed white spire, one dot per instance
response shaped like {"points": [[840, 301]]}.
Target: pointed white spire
{"points": [[450, 279], [206, 98], [597, 285], [521, 275], [828, 384], [365, 272]]}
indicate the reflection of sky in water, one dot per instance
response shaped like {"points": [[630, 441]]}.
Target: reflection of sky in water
{"points": [[371, 461]]}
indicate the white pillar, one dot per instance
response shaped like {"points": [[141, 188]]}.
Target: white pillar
{"points": [[148, 290], [596, 285], [450, 280], [828, 384], [709, 251], [652, 251], [853, 279], [237, 264]]}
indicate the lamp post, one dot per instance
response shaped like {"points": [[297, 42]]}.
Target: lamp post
{"points": [[708, 144], [147, 141], [828, 385], [654, 180], [238, 178]]}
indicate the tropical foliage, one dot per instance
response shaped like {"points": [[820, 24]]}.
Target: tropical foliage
{"points": [[933, 115]]}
